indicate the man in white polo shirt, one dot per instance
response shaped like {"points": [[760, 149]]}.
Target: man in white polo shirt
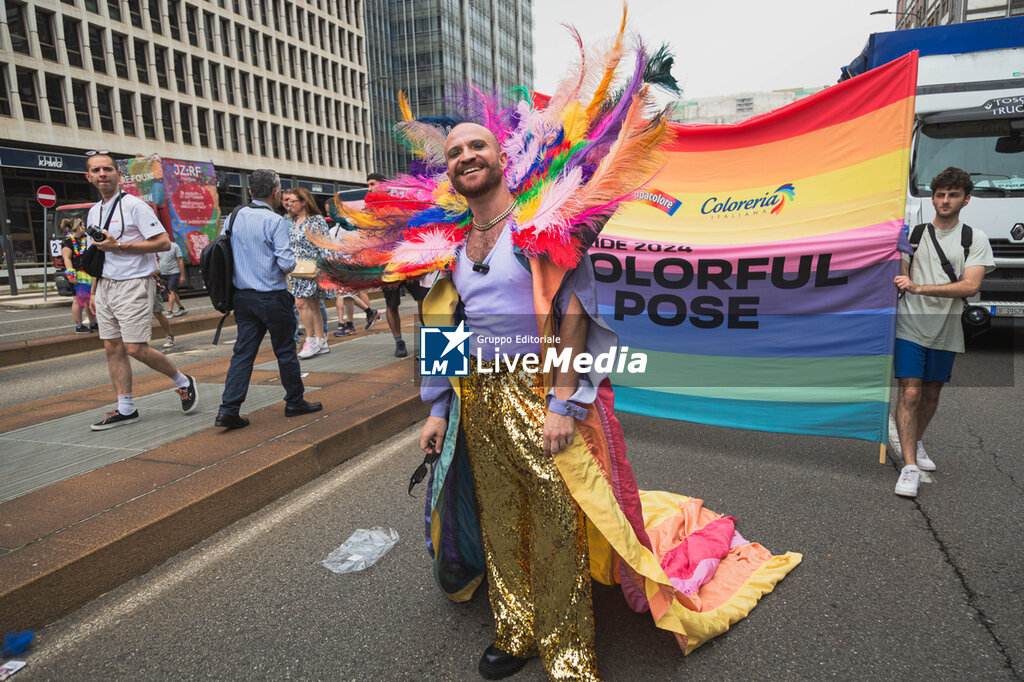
{"points": [[122, 299]]}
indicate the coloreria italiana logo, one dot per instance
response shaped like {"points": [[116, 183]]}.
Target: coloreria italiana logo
{"points": [[730, 207]]}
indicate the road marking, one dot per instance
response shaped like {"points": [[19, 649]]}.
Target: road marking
{"points": [[112, 615], [894, 443], [62, 313], [65, 327]]}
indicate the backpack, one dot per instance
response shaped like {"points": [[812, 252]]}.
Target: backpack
{"points": [[966, 239], [217, 266]]}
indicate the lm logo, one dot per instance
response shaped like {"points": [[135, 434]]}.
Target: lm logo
{"points": [[444, 351]]}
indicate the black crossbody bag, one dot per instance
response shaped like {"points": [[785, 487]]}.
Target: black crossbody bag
{"points": [[93, 259], [974, 318]]}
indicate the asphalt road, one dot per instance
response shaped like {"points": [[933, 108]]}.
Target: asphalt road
{"points": [[889, 588]]}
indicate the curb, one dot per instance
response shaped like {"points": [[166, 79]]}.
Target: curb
{"points": [[28, 350], [64, 571]]}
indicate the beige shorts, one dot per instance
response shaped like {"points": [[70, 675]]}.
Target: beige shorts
{"points": [[124, 309]]}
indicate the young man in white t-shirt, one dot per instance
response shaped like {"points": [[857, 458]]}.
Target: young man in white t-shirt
{"points": [[122, 299], [928, 329]]}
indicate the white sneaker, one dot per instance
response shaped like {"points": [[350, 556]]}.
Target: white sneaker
{"points": [[924, 462], [309, 349], [169, 343], [322, 347], [910, 477]]}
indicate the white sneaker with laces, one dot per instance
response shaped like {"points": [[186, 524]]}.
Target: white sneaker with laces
{"points": [[169, 343], [322, 347], [910, 477], [309, 349], [924, 462]]}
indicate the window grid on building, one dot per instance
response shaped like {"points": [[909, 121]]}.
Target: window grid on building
{"points": [[918, 13], [144, 69], [423, 48]]}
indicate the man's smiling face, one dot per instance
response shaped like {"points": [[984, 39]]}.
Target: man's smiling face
{"points": [[475, 164]]}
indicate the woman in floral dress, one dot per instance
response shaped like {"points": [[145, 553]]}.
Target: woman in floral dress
{"points": [[305, 215]]}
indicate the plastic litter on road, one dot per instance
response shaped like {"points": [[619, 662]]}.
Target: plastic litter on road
{"points": [[363, 549]]}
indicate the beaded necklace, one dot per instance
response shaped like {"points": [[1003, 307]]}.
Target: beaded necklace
{"points": [[77, 244]]}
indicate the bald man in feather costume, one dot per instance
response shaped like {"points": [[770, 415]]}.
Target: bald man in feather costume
{"points": [[528, 478], [534, 534]]}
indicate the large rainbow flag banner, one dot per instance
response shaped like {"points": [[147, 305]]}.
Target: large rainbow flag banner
{"points": [[756, 270]]}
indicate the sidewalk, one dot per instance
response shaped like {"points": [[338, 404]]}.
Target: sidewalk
{"points": [[84, 511], [28, 299], [28, 350]]}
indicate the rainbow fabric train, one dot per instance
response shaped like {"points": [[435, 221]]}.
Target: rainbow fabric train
{"points": [[571, 163]]}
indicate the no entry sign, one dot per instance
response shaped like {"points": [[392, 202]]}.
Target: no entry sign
{"points": [[46, 196]]}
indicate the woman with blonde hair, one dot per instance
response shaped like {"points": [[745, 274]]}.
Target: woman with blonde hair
{"points": [[71, 250], [305, 216]]}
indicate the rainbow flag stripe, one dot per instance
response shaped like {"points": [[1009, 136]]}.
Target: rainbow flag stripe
{"points": [[764, 299]]}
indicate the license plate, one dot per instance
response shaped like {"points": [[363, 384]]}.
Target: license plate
{"points": [[1010, 311]]}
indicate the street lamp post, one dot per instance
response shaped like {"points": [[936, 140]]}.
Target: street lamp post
{"points": [[376, 136], [916, 15]]}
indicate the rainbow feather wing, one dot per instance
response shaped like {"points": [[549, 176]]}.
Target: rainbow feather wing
{"points": [[570, 166]]}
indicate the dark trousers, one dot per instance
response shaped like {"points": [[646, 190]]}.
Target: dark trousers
{"points": [[256, 313]]}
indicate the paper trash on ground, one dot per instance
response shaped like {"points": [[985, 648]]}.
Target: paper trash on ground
{"points": [[10, 667]]}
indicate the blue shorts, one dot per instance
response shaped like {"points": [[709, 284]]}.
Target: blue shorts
{"points": [[911, 360], [171, 281]]}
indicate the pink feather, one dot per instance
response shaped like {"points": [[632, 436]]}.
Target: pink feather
{"points": [[557, 206]]}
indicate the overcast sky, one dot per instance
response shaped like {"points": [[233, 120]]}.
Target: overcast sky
{"points": [[722, 47]]}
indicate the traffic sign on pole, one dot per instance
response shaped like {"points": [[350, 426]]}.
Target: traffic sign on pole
{"points": [[46, 196], [52, 198]]}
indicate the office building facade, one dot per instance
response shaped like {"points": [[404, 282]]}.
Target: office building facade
{"points": [[427, 47], [735, 108], [245, 84], [918, 13]]}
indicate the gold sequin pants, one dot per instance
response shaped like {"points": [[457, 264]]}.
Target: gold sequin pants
{"points": [[534, 537]]}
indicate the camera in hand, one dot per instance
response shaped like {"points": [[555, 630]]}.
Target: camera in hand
{"points": [[95, 233]]}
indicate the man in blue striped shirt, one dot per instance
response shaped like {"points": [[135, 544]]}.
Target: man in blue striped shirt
{"points": [[263, 258]]}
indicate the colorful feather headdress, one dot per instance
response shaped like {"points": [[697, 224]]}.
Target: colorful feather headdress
{"points": [[572, 163]]}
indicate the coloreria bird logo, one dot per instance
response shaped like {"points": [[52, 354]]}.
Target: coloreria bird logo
{"points": [[787, 191]]}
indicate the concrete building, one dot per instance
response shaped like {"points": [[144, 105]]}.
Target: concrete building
{"points": [[425, 47], [919, 13], [735, 108], [245, 84]]}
